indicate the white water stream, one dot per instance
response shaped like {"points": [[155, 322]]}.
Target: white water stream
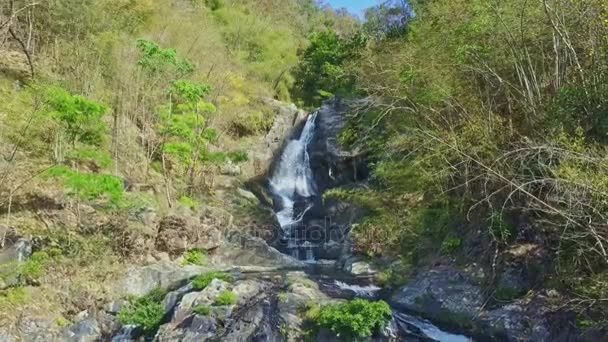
{"points": [[292, 179]]}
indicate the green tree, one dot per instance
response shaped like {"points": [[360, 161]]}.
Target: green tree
{"points": [[80, 118], [321, 73]]}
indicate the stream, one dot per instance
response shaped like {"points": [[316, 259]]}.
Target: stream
{"points": [[296, 193]]}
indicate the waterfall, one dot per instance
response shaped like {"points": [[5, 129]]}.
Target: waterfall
{"points": [[293, 179]]}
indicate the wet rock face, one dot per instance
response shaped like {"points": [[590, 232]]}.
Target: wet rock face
{"points": [[447, 295], [439, 293], [332, 164]]}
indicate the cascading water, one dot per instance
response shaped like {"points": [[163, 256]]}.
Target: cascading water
{"points": [[295, 188], [293, 180]]}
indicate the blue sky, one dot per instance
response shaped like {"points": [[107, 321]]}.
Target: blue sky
{"points": [[354, 6]]}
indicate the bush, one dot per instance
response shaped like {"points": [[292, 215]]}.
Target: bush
{"points": [[146, 312], [194, 257], [90, 155], [203, 310], [356, 319], [203, 280], [89, 186], [80, 118], [225, 298]]}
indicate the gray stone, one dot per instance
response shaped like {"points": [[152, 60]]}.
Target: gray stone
{"points": [[358, 267], [86, 329], [245, 250], [442, 293], [139, 281], [31, 330]]}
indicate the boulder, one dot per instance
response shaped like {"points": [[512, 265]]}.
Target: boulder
{"points": [[449, 296], [139, 281], [528, 319], [359, 267], [245, 250], [32, 329], [86, 329], [300, 293], [522, 267], [443, 294], [14, 64], [239, 324], [191, 300]]}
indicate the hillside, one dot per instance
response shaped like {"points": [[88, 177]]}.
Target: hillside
{"points": [[280, 170]]}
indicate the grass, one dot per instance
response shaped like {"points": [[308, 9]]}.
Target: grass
{"points": [[30, 270], [189, 202], [89, 186], [225, 298], [146, 312], [13, 297], [194, 257], [203, 280], [202, 309]]}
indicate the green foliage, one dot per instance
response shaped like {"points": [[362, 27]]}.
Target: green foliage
{"points": [[30, 270], [283, 297], [237, 157], [321, 72], [500, 229], [189, 202], [190, 92], [450, 245], [214, 5], [89, 186], [354, 320], [79, 117], [194, 257], [252, 124], [90, 155], [146, 312], [395, 275], [200, 282], [155, 59], [225, 298], [202, 309], [12, 297]]}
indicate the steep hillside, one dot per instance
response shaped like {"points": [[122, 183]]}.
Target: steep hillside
{"points": [[119, 117]]}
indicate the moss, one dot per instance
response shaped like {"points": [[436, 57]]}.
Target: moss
{"points": [[200, 282], [226, 298], [203, 310]]}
